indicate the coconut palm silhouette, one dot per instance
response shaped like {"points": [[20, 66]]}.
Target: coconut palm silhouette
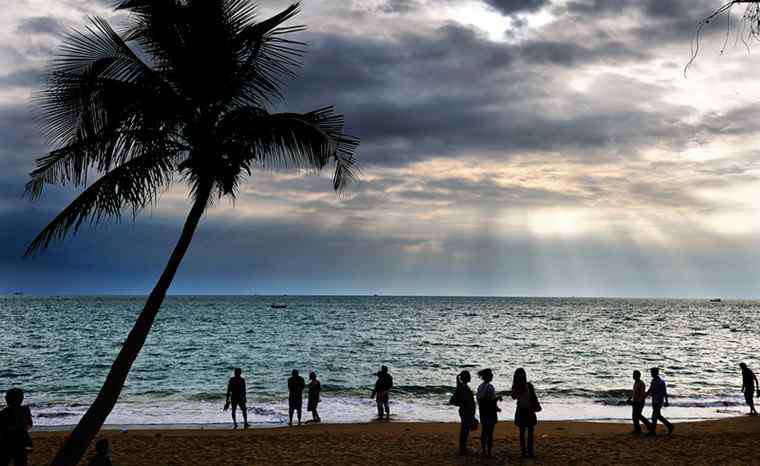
{"points": [[182, 94]]}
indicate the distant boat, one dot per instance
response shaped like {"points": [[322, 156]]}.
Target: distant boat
{"points": [[279, 306], [715, 300], [18, 293]]}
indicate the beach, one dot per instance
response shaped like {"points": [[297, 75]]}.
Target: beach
{"points": [[725, 441]]}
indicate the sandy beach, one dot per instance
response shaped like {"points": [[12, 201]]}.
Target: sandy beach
{"points": [[728, 441]]}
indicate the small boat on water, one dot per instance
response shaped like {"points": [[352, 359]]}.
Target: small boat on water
{"points": [[279, 306], [715, 300]]}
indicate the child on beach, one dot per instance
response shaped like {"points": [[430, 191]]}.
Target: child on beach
{"points": [[381, 393], [296, 384], [658, 390], [236, 396], [637, 401], [749, 385], [465, 400], [525, 413], [488, 405], [315, 388], [15, 424], [102, 454]]}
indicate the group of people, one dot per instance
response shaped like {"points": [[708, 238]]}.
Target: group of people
{"points": [[236, 397], [16, 419], [488, 405], [658, 392]]}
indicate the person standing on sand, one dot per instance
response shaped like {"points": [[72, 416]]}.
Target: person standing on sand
{"points": [[488, 405], [464, 398], [236, 395], [637, 400], [296, 384], [749, 386], [315, 388], [525, 413], [658, 390], [381, 393], [15, 424]]}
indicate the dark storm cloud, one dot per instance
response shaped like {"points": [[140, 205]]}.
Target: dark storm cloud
{"points": [[456, 92], [511, 7]]}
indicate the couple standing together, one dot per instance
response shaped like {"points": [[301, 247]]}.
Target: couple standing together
{"points": [[658, 390], [487, 401]]}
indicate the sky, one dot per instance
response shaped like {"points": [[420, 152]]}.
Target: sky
{"points": [[509, 147]]}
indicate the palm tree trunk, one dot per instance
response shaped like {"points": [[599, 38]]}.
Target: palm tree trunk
{"points": [[80, 438]]}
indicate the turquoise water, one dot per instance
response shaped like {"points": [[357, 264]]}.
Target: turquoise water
{"points": [[578, 352]]}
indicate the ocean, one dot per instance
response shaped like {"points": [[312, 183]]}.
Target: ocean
{"points": [[579, 354]]}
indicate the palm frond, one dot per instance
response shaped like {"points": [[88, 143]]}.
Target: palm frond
{"points": [[102, 106], [290, 140], [269, 58], [90, 84], [134, 185]]}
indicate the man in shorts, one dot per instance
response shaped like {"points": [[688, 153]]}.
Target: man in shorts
{"points": [[236, 397]]}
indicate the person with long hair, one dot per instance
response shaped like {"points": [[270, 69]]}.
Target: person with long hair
{"points": [[488, 405], [525, 413], [465, 400]]}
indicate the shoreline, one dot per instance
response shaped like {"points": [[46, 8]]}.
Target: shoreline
{"points": [[258, 426], [725, 441]]}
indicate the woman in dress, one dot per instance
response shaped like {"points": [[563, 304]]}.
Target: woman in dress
{"points": [[527, 407], [487, 403], [464, 398]]}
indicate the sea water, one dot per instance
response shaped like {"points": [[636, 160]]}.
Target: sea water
{"points": [[579, 353]]}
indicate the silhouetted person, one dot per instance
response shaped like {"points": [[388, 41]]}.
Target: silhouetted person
{"points": [[465, 400], [102, 454], [749, 386], [236, 394], [658, 390], [488, 405], [637, 400], [15, 423], [315, 388], [296, 384], [525, 412], [382, 392]]}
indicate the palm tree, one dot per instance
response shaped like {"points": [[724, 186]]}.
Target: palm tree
{"points": [[182, 93]]}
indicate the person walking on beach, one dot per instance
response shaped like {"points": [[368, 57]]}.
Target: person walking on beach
{"points": [[637, 401], [15, 424], [749, 386], [315, 388], [465, 400], [236, 396], [296, 384], [102, 454], [381, 393], [488, 405], [658, 390], [525, 413]]}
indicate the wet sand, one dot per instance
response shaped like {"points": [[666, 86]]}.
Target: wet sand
{"points": [[726, 441]]}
